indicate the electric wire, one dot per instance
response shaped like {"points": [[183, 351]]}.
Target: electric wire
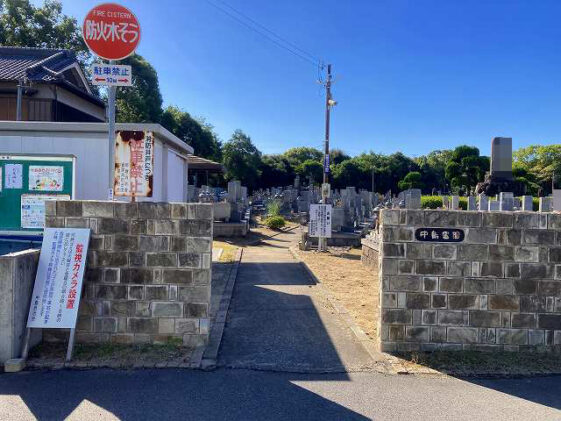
{"points": [[315, 59], [304, 56]]}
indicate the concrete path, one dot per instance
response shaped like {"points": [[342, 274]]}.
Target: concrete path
{"points": [[280, 320], [256, 395]]}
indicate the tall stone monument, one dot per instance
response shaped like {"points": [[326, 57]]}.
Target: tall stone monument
{"points": [[500, 178]]}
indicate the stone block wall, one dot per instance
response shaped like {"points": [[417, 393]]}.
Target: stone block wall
{"points": [[370, 251], [148, 271], [499, 288]]}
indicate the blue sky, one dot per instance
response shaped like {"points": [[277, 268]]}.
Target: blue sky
{"points": [[411, 76]]}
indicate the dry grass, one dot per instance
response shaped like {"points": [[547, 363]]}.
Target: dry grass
{"points": [[125, 355], [351, 283], [229, 250], [473, 363]]}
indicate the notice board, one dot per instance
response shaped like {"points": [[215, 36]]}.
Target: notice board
{"points": [[26, 182]]}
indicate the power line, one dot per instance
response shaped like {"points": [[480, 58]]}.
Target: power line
{"points": [[270, 31], [294, 50]]}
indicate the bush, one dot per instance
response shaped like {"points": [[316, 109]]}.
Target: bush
{"points": [[431, 202], [463, 203], [274, 208], [275, 222], [536, 203]]}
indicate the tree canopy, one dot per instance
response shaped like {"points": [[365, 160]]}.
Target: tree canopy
{"points": [[25, 25]]}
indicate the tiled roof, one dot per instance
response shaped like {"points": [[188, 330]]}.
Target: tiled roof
{"points": [[33, 63], [40, 65]]}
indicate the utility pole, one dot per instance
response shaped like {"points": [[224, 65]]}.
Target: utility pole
{"points": [[325, 188]]}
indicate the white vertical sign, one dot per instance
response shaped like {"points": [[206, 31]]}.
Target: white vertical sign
{"points": [[320, 221], [58, 283]]}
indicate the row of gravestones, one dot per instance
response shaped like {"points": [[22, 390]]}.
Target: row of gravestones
{"points": [[411, 199]]}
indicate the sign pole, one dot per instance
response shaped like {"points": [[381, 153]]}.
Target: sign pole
{"points": [[70, 344], [111, 144]]}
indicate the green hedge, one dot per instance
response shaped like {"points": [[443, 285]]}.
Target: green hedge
{"points": [[434, 202], [431, 202]]}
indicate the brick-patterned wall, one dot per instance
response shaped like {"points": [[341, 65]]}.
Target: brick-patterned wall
{"points": [[498, 289], [148, 271], [369, 255]]}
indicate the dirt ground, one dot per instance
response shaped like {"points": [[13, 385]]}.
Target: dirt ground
{"points": [[351, 283]]}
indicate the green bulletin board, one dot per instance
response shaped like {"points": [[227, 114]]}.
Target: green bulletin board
{"points": [[49, 175]]}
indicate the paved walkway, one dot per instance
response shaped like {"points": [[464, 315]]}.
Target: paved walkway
{"points": [[279, 319]]}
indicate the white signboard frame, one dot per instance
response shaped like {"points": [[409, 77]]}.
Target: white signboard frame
{"points": [[320, 221], [111, 74], [58, 283]]}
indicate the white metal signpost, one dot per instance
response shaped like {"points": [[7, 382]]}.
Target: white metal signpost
{"points": [[320, 221], [58, 283], [111, 74], [112, 32]]}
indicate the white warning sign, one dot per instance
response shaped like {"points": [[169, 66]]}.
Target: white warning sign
{"points": [[320, 221]]}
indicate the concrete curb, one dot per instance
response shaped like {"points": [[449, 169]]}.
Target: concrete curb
{"points": [[209, 355], [342, 312]]}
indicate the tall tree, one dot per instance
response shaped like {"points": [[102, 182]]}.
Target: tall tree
{"points": [[297, 156], [141, 102], [312, 170], [242, 160], [25, 25], [540, 163], [198, 135], [466, 168], [275, 171]]}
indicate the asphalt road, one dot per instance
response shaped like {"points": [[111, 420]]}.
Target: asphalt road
{"points": [[229, 394], [280, 320]]}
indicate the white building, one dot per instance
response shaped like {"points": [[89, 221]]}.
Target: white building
{"points": [[88, 144]]}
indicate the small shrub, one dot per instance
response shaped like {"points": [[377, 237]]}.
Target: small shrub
{"points": [[536, 203], [431, 202], [275, 222], [463, 203]]}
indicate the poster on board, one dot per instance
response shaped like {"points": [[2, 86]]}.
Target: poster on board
{"points": [[58, 283], [46, 178], [33, 209], [320, 221], [134, 163], [13, 176]]}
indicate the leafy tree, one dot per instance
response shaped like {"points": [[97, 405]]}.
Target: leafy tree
{"points": [[25, 25], [466, 168], [413, 180], [191, 131], [337, 156], [242, 160], [296, 156], [142, 102], [276, 171], [540, 163], [349, 174], [312, 170]]}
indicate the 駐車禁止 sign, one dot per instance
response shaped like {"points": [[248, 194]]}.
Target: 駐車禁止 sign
{"points": [[58, 283]]}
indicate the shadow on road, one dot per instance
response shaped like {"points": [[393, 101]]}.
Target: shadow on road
{"points": [[170, 394]]}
